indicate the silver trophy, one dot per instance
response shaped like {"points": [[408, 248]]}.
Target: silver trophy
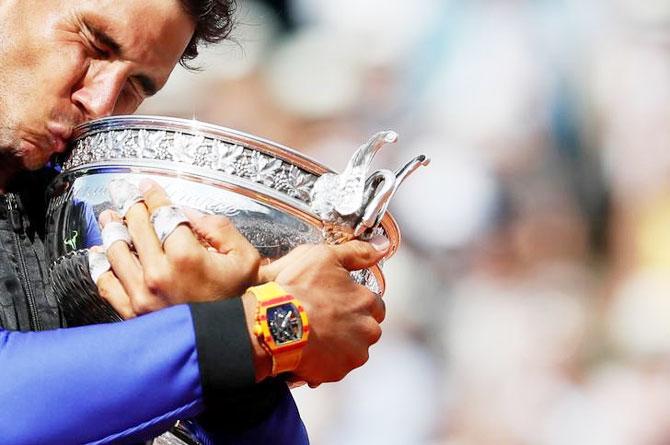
{"points": [[276, 197]]}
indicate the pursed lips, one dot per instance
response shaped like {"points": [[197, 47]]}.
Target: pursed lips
{"points": [[59, 135]]}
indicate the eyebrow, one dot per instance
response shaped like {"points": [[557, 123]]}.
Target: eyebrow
{"points": [[147, 84]]}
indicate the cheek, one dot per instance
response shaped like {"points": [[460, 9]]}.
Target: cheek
{"points": [[68, 69], [37, 93]]}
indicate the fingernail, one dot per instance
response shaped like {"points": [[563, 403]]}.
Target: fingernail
{"points": [[145, 184], [380, 243]]}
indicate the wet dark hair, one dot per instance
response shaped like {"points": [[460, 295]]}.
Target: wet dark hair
{"points": [[213, 23]]}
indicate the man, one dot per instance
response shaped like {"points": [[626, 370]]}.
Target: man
{"points": [[63, 62]]}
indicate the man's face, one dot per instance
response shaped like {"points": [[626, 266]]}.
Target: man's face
{"points": [[63, 62]]}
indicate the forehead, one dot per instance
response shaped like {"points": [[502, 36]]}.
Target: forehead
{"points": [[153, 33]]}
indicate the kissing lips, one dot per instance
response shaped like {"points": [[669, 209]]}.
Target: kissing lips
{"points": [[59, 135]]}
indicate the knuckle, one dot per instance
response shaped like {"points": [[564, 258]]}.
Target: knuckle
{"points": [[104, 282], [363, 251], [185, 258], [144, 303], [156, 280], [355, 250], [378, 308], [340, 376], [135, 212], [375, 333], [125, 311], [382, 312], [369, 298], [153, 192], [360, 359], [362, 299], [341, 372]]}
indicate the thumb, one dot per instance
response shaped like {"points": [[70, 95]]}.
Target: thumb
{"points": [[217, 230], [357, 254]]}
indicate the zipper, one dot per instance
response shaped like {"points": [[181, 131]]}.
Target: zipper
{"points": [[17, 225]]}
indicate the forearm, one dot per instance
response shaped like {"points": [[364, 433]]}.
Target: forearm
{"points": [[116, 381], [99, 382]]}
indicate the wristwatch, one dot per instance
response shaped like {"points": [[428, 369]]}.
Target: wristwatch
{"points": [[281, 326]]}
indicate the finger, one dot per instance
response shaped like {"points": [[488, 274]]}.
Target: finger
{"points": [[145, 240], [113, 228], [356, 254], [154, 194], [181, 237], [378, 309], [112, 291], [269, 272], [123, 194], [126, 267], [218, 231], [97, 262]]}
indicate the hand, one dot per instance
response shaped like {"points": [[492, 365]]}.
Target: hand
{"points": [[344, 316], [183, 269]]}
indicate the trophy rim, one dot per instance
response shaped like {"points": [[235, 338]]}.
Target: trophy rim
{"points": [[150, 122], [224, 134]]}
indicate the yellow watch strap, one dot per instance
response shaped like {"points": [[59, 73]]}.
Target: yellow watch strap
{"points": [[268, 291], [285, 358], [286, 361]]}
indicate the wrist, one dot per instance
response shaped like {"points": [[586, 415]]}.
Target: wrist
{"points": [[261, 358]]}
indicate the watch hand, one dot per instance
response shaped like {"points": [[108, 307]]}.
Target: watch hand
{"points": [[286, 319]]}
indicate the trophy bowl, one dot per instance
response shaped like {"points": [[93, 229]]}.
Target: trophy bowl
{"points": [[277, 197]]}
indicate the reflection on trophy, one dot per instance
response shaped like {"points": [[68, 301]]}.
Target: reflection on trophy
{"points": [[275, 196]]}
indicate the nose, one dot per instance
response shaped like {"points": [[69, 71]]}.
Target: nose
{"points": [[99, 90]]}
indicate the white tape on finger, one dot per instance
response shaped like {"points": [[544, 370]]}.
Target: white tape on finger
{"points": [[166, 219], [115, 231], [124, 195], [97, 264]]}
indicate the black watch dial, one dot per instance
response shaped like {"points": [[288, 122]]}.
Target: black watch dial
{"points": [[285, 323]]}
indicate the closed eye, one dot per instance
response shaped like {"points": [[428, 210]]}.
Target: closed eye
{"points": [[101, 41], [100, 52], [105, 46]]}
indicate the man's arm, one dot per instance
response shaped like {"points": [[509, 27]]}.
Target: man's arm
{"points": [[123, 381]]}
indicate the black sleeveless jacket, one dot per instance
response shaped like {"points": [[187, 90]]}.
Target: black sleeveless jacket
{"points": [[26, 301]]}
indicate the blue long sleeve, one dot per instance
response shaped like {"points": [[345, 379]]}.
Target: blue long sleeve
{"points": [[99, 384], [130, 381]]}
